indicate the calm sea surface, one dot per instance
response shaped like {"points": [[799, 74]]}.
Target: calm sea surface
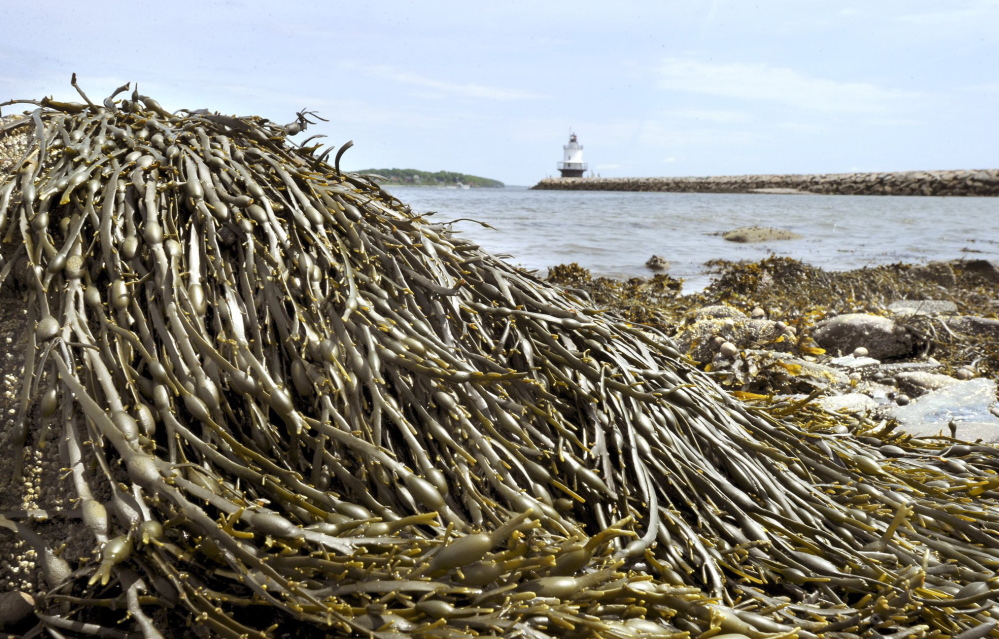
{"points": [[613, 234]]}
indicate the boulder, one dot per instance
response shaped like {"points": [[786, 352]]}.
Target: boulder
{"points": [[922, 307], [966, 405], [882, 338], [748, 234]]}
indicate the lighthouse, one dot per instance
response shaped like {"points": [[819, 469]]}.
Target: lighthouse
{"points": [[572, 165]]}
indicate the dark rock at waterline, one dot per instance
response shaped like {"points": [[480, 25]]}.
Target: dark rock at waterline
{"points": [[657, 263], [883, 338], [987, 270], [940, 273], [750, 234]]}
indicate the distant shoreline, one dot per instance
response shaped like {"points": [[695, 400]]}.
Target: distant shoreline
{"points": [[981, 182], [435, 186], [415, 177]]}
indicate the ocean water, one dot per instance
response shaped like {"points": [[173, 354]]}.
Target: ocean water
{"points": [[613, 234]]}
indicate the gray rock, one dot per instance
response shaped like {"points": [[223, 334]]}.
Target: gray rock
{"points": [[966, 404], [922, 307], [937, 272], [918, 383], [882, 338], [851, 403], [894, 368], [974, 325], [749, 234], [718, 311]]}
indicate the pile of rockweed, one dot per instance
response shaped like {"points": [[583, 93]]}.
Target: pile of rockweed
{"points": [[289, 406]]}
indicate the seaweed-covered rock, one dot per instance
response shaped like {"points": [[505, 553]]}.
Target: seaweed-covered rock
{"points": [[940, 273], [717, 311], [763, 371], [702, 339], [883, 338]]}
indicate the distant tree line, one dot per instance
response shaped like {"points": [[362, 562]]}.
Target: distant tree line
{"points": [[425, 178]]}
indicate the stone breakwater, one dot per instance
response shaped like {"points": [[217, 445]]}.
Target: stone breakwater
{"points": [[983, 182]]}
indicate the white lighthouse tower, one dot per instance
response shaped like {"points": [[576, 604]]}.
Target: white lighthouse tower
{"points": [[572, 165]]}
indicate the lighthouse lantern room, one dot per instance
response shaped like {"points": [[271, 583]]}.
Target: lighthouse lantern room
{"points": [[572, 165]]}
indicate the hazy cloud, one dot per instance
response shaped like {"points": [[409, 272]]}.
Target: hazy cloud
{"points": [[775, 84], [972, 12]]}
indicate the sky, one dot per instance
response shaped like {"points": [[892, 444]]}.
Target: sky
{"points": [[652, 88]]}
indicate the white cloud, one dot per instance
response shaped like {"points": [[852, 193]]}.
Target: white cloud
{"points": [[762, 82], [467, 90], [976, 12]]}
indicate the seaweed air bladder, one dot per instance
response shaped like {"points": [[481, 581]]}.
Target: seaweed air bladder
{"points": [[291, 407]]}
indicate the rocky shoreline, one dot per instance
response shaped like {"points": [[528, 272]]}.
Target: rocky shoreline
{"points": [[984, 182], [902, 348]]}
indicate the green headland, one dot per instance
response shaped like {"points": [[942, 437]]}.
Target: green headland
{"points": [[412, 177]]}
